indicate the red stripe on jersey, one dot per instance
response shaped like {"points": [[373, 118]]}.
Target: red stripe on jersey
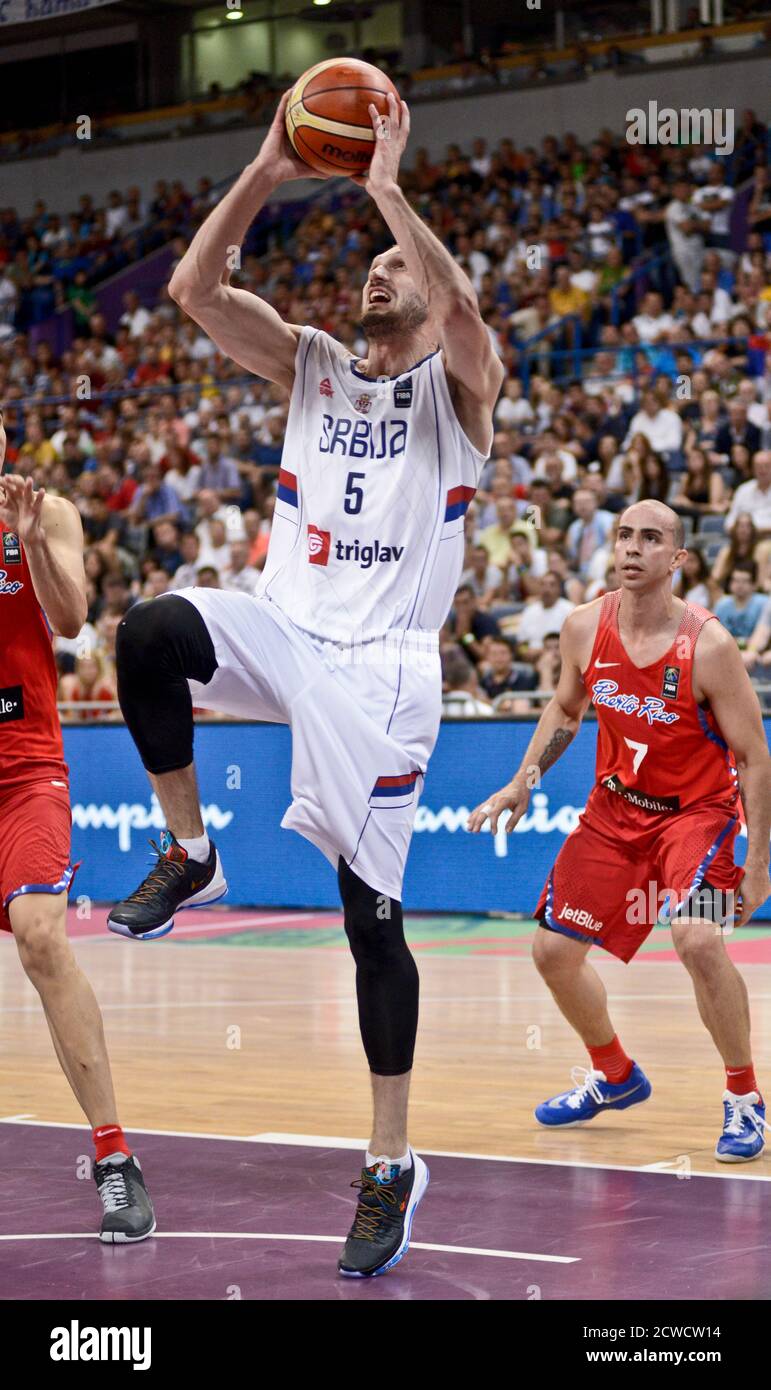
{"points": [[460, 494]]}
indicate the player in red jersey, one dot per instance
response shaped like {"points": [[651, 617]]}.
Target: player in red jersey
{"points": [[43, 587], [680, 740]]}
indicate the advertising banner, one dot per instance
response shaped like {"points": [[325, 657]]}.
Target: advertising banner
{"points": [[31, 11], [243, 772]]}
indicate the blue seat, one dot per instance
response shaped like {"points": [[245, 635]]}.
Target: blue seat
{"points": [[711, 549], [505, 610], [712, 526]]}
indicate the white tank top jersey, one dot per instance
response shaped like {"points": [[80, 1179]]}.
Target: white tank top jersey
{"points": [[376, 479]]}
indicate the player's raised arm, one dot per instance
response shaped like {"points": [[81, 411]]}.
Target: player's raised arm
{"points": [[720, 671], [242, 325], [557, 727], [50, 530], [452, 303]]}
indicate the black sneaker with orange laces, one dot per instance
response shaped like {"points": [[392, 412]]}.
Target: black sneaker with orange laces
{"points": [[175, 881], [380, 1234]]}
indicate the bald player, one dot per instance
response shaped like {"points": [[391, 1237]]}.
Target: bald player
{"points": [[680, 742]]}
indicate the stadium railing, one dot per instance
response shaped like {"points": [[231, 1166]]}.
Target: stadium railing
{"points": [[570, 363], [426, 84], [111, 395], [109, 711]]}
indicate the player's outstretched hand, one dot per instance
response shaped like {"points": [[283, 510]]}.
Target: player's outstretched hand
{"points": [[753, 890], [21, 508], [514, 798], [391, 136], [276, 152]]}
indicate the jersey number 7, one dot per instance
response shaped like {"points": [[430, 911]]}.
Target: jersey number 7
{"points": [[640, 750]]}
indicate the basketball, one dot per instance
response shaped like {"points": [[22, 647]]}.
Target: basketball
{"points": [[327, 116]]}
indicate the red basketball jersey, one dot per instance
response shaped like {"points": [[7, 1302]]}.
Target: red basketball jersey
{"points": [[656, 746], [30, 735]]}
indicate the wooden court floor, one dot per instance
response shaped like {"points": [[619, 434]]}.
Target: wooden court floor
{"points": [[209, 1036]]}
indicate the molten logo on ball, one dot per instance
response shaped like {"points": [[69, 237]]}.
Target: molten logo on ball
{"points": [[318, 545], [350, 156], [327, 116]]}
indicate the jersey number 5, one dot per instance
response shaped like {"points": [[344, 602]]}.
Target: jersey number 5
{"points": [[640, 750], [354, 496]]}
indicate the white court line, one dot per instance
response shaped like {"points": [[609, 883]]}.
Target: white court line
{"points": [[326, 1141], [336, 1240], [306, 1000]]}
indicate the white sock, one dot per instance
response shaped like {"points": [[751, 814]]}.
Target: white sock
{"points": [[404, 1162], [197, 849]]}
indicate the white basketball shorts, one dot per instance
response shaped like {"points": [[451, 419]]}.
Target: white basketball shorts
{"points": [[364, 721]]}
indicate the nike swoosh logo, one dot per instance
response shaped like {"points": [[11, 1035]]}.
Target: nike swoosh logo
{"points": [[607, 663], [610, 1099], [58, 784]]}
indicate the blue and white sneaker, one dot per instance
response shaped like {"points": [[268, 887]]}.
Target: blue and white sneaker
{"points": [[592, 1093], [745, 1120]]}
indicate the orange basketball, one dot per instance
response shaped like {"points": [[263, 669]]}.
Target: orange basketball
{"points": [[327, 119]]}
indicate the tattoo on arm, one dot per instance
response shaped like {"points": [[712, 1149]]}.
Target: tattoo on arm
{"points": [[554, 748]]}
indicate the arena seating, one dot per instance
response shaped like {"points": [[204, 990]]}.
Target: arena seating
{"points": [[636, 365]]}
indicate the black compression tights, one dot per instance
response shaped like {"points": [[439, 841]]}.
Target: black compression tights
{"points": [[386, 975]]}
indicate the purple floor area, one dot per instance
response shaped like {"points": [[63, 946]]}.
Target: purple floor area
{"points": [[630, 1235]]}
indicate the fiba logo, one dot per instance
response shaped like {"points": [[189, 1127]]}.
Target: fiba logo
{"points": [[318, 545]]}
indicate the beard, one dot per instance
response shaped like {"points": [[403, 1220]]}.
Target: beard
{"points": [[412, 314]]}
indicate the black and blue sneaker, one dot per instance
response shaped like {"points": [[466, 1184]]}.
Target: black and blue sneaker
{"points": [[175, 881], [380, 1234]]}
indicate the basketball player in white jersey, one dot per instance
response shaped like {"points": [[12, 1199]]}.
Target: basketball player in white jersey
{"points": [[381, 458]]}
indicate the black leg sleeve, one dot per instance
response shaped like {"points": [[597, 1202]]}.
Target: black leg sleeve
{"points": [[160, 645], [387, 985]]}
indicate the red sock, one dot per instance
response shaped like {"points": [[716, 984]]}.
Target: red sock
{"points": [[612, 1060], [110, 1139], [741, 1080]]}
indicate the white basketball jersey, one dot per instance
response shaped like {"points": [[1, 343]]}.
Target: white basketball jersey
{"points": [[375, 482]]}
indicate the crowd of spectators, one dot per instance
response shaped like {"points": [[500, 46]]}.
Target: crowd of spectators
{"points": [[53, 260], [172, 457]]}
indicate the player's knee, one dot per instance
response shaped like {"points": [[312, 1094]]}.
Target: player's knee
{"points": [[143, 636], [375, 942], [553, 954], [40, 939], [699, 945], [373, 922]]}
